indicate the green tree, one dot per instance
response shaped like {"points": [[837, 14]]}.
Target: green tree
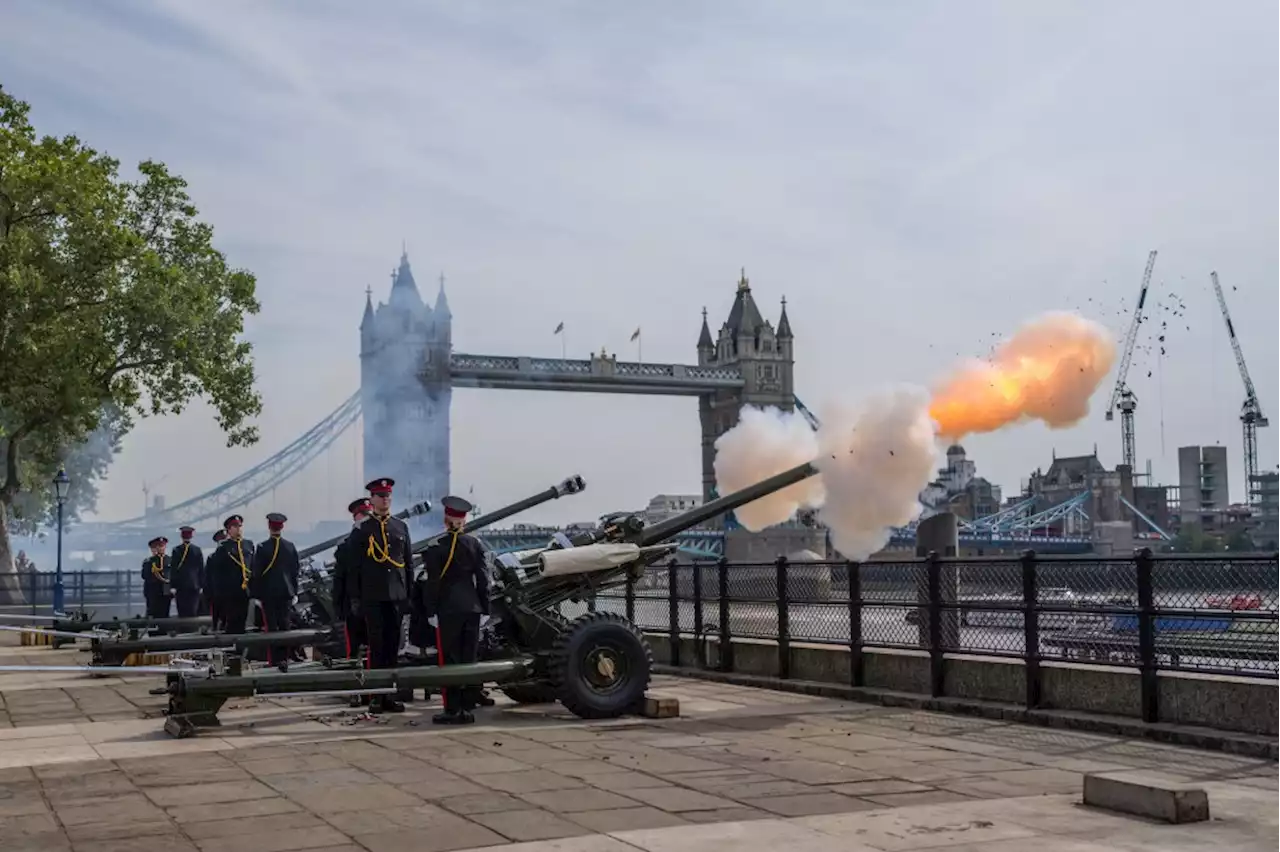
{"points": [[112, 298]]}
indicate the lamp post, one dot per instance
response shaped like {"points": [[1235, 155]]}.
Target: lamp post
{"points": [[60, 484]]}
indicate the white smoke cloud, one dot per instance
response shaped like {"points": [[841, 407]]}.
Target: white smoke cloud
{"points": [[766, 442], [875, 457]]}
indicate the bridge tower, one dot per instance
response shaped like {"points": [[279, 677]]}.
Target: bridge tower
{"points": [[405, 392], [766, 360]]}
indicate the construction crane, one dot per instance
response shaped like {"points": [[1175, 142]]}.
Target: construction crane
{"points": [[1123, 398], [1251, 415]]}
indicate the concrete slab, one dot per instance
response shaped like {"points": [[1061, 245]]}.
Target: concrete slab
{"points": [[1148, 795]]}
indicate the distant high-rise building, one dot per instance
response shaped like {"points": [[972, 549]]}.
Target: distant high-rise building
{"points": [[1202, 486], [405, 393]]}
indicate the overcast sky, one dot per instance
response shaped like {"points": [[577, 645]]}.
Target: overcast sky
{"points": [[914, 177]]}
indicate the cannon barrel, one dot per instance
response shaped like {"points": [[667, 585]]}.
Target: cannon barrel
{"points": [[412, 512], [573, 485], [664, 530], [175, 625]]}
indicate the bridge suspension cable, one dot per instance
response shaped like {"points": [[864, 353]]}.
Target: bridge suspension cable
{"points": [[261, 478]]}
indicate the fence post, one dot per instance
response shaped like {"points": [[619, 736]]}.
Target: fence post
{"points": [[784, 620], [857, 671], [933, 580], [726, 636], [1031, 629], [630, 599], [673, 610], [1147, 637], [699, 650], [80, 580]]}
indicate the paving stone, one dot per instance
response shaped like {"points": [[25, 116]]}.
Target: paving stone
{"points": [[235, 824], [469, 836], [676, 800], [479, 764], [50, 771], [571, 801], [131, 806], [918, 828], [366, 797], [146, 843], [530, 781], [345, 777], [979, 765], [735, 814], [281, 841], [486, 802], [291, 764], [530, 825], [878, 787], [626, 819], [196, 794], [242, 810], [809, 804], [621, 782], [758, 789], [21, 800], [930, 797], [422, 817], [749, 836]]}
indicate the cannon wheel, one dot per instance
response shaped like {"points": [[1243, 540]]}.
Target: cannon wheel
{"points": [[600, 666]]}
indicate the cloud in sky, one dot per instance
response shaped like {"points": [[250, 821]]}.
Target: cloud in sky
{"points": [[913, 177]]}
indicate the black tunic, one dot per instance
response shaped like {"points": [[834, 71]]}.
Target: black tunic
{"points": [[383, 572], [457, 582], [275, 570], [155, 576], [187, 572], [227, 571], [345, 561]]}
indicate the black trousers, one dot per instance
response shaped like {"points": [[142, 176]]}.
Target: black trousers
{"points": [[188, 603], [275, 619], [355, 636], [382, 629], [231, 613], [458, 638], [158, 606]]}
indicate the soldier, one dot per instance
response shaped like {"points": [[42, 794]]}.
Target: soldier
{"points": [[187, 574], [346, 559], [378, 584], [156, 588], [456, 604], [274, 582], [206, 594], [228, 572]]}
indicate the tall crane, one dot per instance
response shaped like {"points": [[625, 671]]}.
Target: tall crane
{"points": [[1122, 397], [1251, 415]]}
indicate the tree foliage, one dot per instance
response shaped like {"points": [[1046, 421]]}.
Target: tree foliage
{"points": [[112, 299]]}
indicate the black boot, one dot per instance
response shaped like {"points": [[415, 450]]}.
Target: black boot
{"points": [[465, 718], [483, 699], [448, 717], [392, 705]]}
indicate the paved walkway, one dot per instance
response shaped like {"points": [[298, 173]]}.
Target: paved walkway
{"points": [[84, 766]]}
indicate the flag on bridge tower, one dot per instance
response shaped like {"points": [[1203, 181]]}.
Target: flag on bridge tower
{"points": [[559, 329], [635, 335]]}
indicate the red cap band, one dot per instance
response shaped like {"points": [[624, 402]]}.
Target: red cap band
{"points": [[454, 513], [274, 525]]}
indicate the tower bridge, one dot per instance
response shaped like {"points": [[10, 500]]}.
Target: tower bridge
{"points": [[408, 371]]}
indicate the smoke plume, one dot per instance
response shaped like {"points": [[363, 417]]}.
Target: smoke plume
{"points": [[874, 459], [764, 443], [1047, 371]]}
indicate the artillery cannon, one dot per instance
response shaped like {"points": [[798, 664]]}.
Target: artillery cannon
{"points": [[597, 665]]}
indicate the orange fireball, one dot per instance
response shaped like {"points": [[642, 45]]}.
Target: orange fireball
{"points": [[1047, 371]]}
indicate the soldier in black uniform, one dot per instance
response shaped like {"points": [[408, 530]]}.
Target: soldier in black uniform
{"points": [[227, 574], [378, 584], [346, 559], [187, 574], [456, 603], [206, 594], [156, 587], [274, 582]]}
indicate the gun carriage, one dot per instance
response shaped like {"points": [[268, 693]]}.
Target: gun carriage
{"points": [[597, 665]]}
